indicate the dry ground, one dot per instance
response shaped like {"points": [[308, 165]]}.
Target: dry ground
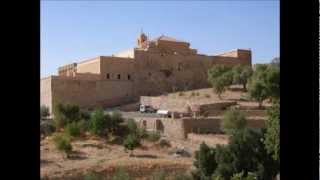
{"points": [[100, 156]]}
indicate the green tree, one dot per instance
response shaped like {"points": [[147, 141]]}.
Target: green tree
{"points": [[98, 122], [272, 136], [205, 162], [44, 112], [245, 153], [265, 83], [220, 77], [65, 114], [241, 75], [131, 142], [233, 120]]}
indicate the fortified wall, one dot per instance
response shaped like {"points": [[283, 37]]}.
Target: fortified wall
{"points": [[154, 67]]}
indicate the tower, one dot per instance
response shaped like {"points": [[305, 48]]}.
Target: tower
{"points": [[141, 39]]}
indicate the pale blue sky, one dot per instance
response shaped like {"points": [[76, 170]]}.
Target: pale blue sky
{"points": [[72, 31]]}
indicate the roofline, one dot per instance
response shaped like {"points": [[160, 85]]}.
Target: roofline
{"points": [[249, 49]]}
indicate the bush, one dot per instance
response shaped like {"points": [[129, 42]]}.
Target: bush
{"points": [[192, 94], [47, 127], [153, 136], [272, 135], [98, 122], [44, 112], [233, 120], [63, 143], [164, 143], [115, 120], [197, 94], [131, 142], [65, 114], [207, 95], [132, 127], [83, 125], [204, 162], [73, 129], [240, 176], [121, 174]]}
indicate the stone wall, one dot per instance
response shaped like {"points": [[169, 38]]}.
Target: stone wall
{"points": [[180, 128], [45, 92], [84, 92]]}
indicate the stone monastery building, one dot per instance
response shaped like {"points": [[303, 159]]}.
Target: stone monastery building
{"points": [[153, 67]]}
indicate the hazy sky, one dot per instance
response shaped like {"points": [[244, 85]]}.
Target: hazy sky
{"points": [[72, 31]]}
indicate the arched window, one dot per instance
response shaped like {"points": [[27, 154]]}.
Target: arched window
{"points": [[119, 76], [129, 77], [108, 76]]}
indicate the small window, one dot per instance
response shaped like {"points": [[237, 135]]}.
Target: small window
{"points": [[129, 77], [149, 73], [118, 76], [108, 76]]}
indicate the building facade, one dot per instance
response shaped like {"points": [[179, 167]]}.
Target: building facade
{"points": [[153, 67]]}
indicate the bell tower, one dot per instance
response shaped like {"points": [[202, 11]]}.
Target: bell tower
{"points": [[141, 39]]}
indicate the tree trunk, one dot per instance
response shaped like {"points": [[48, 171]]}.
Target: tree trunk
{"points": [[260, 104], [245, 87]]}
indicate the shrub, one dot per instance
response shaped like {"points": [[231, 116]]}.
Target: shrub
{"points": [[197, 94], [73, 129], [44, 112], [233, 120], [207, 95], [164, 143], [65, 114], [131, 142], [205, 162], [192, 94], [62, 143], [115, 120], [153, 136], [47, 127], [83, 125], [272, 135], [132, 127], [98, 122], [121, 174], [241, 176]]}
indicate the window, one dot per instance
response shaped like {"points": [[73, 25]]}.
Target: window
{"points": [[149, 73], [129, 77], [108, 76], [118, 76]]}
